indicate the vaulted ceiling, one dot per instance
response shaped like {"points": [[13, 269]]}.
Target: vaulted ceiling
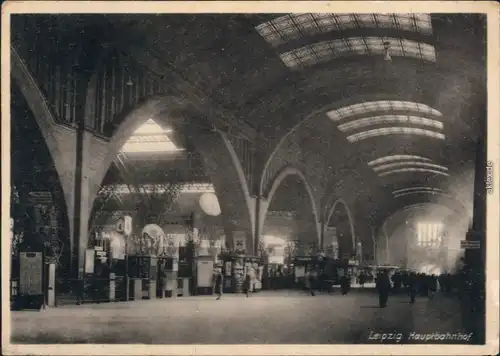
{"points": [[407, 91]]}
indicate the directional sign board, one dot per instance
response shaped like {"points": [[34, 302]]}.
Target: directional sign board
{"points": [[470, 244]]}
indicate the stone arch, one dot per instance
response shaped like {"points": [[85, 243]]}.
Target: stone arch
{"points": [[34, 167], [220, 159], [42, 112], [273, 186], [341, 202]]}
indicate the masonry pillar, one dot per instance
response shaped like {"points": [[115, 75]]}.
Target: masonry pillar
{"points": [[90, 153], [474, 306]]}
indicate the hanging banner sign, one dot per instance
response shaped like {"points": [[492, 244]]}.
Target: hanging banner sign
{"points": [[239, 239], [359, 250], [127, 225], [117, 247], [89, 260]]}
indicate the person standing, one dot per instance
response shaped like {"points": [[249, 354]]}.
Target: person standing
{"points": [[413, 287], [310, 280], [383, 287], [345, 283], [432, 288], [247, 283], [218, 283]]}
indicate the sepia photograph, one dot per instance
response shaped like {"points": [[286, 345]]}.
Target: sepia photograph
{"points": [[269, 176]]}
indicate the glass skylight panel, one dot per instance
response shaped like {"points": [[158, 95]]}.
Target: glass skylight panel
{"points": [[139, 147], [421, 192], [394, 131], [150, 127], [158, 188], [409, 170], [149, 137], [415, 188], [397, 158], [380, 106], [389, 119], [293, 26], [409, 163], [356, 46], [366, 20]]}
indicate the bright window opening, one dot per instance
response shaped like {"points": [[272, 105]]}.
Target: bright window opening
{"points": [[411, 170], [394, 131], [415, 189], [294, 26], [408, 163], [380, 106], [430, 234], [390, 119], [149, 137], [324, 51], [393, 158]]}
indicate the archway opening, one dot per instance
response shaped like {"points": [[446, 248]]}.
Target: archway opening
{"points": [[422, 234], [158, 177], [289, 228], [339, 232]]}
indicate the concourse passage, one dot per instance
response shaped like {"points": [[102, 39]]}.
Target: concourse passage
{"points": [[282, 317]]}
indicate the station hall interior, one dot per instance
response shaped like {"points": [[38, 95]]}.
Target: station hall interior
{"points": [[148, 151]]}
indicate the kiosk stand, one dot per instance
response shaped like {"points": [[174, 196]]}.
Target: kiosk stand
{"points": [[300, 266], [204, 275]]}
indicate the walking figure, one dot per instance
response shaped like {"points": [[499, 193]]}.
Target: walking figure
{"points": [[383, 288], [218, 282]]}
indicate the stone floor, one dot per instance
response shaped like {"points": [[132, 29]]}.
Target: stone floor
{"points": [[264, 318]]}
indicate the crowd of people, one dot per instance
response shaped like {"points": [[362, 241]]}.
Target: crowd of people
{"points": [[420, 284], [410, 283]]}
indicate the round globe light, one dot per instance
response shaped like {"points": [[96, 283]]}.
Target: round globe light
{"points": [[210, 204]]}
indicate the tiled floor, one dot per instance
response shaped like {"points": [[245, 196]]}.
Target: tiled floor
{"points": [[264, 318]]}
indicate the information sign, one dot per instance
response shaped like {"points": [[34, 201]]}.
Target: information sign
{"points": [[31, 278]]}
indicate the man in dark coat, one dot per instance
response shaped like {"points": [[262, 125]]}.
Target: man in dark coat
{"points": [[218, 282], [383, 287], [413, 286]]}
